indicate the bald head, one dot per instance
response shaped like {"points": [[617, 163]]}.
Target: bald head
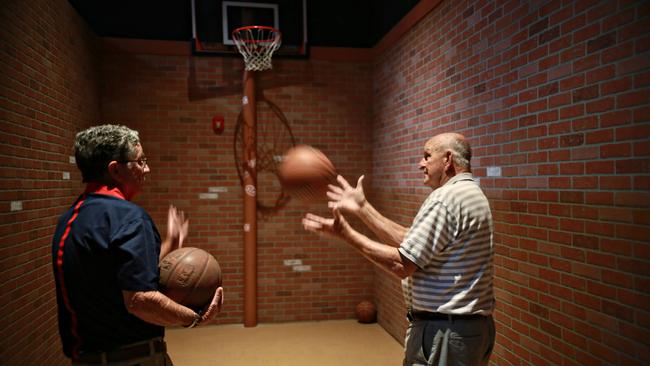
{"points": [[457, 144]]}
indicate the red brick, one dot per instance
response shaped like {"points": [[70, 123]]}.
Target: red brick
{"points": [[585, 93], [641, 148], [633, 232], [572, 111], [619, 52], [615, 150], [599, 198], [587, 242], [585, 33], [616, 86], [603, 352], [633, 98], [559, 155], [572, 82], [578, 283], [601, 105], [615, 182], [641, 114], [632, 166], [559, 182], [599, 136], [617, 19], [575, 52], [615, 118]]}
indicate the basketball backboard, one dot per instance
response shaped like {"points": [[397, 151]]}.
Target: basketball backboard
{"points": [[214, 20]]}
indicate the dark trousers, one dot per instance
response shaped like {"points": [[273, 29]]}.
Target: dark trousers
{"points": [[447, 340], [152, 352]]}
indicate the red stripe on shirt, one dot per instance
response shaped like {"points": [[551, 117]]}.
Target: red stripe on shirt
{"points": [[64, 292], [100, 188]]}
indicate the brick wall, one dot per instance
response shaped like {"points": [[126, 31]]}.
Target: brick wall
{"points": [[171, 101], [48, 91], [556, 94]]}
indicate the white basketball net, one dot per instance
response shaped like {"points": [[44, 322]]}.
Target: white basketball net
{"points": [[257, 44]]}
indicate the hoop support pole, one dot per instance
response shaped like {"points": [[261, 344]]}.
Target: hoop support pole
{"points": [[249, 105]]}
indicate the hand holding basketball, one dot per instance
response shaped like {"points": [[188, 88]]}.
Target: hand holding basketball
{"points": [[305, 173], [190, 276], [213, 308]]}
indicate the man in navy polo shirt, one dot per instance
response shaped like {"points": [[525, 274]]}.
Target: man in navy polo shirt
{"points": [[105, 255]]}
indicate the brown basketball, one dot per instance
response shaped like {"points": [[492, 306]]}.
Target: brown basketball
{"points": [[366, 312], [190, 276], [305, 173]]}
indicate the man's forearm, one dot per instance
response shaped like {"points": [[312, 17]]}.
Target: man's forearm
{"points": [[387, 231], [165, 248], [156, 308], [385, 256]]}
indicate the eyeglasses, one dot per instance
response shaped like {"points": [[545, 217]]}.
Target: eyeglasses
{"points": [[142, 162]]}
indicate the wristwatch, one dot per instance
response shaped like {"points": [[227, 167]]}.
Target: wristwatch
{"points": [[195, 322]]}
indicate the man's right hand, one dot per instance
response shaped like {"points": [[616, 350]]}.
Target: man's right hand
{"points": [[214, 308], [345, 198]]}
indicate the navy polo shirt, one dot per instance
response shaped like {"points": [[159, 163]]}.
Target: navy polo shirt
{"points": [[103, 245]]}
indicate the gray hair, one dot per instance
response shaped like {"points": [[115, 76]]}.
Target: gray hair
{"points": [[97, 146], [462, 152], [459, 147]]}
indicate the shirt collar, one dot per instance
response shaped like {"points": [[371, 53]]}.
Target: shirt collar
{"points": [[100, 188], [459, 177]]}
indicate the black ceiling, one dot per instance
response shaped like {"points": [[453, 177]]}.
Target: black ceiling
{"points": [[333, 23]]}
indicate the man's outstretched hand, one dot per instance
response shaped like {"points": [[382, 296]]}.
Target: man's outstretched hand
{"points": [[334, 226], [345, 198]]}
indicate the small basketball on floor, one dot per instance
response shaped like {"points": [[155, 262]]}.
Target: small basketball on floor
{"points": [[305, 173], [366, 312], [190, 276]]}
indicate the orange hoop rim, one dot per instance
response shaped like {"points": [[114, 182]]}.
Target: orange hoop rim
{"points": [[272, 31]]}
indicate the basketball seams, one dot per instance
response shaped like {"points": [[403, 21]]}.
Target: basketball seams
{"points": [[172, 272], [192, 275], [199, 281]]}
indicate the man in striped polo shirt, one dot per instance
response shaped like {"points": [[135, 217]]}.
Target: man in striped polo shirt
{"points": [[444, 259]]}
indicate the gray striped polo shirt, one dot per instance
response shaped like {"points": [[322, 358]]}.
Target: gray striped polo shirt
{"points": [[450, 242]]}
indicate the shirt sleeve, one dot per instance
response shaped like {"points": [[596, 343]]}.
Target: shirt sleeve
{"points": [[428, 235], [137, 246]]}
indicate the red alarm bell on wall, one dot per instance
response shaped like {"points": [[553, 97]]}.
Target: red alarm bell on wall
{"points": [[218, 124]]}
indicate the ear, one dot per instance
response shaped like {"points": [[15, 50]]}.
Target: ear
{"points": [[114, 170], [449, 161], [448, 158]]}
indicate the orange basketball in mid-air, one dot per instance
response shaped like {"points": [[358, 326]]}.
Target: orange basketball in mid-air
{"points": [[305, 173], [190, 276]]}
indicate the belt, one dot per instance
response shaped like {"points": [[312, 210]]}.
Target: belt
{"points": [[128, 352], [412, 315]]}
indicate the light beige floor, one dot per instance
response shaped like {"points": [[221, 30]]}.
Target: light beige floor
{"points": [[325, 343]]}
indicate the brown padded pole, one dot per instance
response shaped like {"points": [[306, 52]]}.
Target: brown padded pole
{"points": [[250, 200]]}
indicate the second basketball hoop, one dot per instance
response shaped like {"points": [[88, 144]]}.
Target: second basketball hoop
{"points": [[257, 44]]}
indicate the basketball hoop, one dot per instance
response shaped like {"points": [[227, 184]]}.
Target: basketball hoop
{"points": [[257, 44]]}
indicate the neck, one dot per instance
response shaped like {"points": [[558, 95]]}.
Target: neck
{"points": [[106, 189]]}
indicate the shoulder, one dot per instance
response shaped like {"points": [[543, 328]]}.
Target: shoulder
{"points": [[116, 209], [458, 191], [459, 183]]}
